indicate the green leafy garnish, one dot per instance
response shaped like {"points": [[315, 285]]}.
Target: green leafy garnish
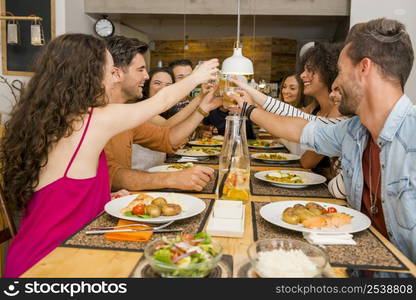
{"points": [[129, 214], [203, 236]]}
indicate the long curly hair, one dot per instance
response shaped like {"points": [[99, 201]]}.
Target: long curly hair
{"points": [[67, 81], [322, 58]]}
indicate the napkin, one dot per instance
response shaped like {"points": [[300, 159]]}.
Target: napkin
{"points": [[329, 238], [136, 236]]}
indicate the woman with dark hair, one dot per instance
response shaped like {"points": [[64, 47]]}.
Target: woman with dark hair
{"points": [[291, 91], [143, 158], [319, 65], [52, 156], [158, 78]]}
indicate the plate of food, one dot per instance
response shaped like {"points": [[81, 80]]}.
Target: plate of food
{"points": [[171, 168], [198, 152], [264, 144], [275, 158], [290, 178], [307, 216], [206, 142], [155, 207]]}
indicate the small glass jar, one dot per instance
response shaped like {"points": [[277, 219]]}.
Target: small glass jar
{"points": [[234, 162]]}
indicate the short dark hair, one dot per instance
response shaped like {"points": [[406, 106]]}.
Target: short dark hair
{"points": [[180, 62], [322, 58], [151, 74], [124, 49], [386, 43]]}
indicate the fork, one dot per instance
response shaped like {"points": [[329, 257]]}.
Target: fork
{"points": [[133, 225]]}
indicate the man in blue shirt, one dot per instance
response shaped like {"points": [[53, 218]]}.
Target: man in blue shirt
{"points": [[378, 144]]}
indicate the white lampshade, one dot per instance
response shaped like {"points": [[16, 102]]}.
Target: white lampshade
{"points": [[237, 64]]}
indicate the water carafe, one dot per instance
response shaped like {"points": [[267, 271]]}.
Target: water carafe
{"points": [[234, 163]]}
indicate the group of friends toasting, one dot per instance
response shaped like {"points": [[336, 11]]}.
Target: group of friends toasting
{"points": [[71, 137]]}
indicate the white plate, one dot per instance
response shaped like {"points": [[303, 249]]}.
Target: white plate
{"points": [[273, 213], [289, 158], [163, 168], [275, 145], [198, 143], [183, 152], [308, 179], [191, 206]]}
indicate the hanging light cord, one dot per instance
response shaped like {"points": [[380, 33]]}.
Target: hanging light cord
{"points": [[184, 28], [238, 24]]}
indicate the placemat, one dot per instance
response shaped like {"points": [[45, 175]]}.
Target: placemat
{"points": [[81, 240], [173, 158], [261, 188], [369, 252], [208, 189]]}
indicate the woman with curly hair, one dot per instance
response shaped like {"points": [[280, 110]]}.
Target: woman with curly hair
{"points": [[319, 65], [53, 162]]}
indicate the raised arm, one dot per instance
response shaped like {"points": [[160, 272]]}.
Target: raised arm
{"points": [[278, 107], [185, 112], [289, 128], [115, 118], [184, 129]]}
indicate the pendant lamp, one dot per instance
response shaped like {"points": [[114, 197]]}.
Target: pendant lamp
{"points": [[237, 64]]}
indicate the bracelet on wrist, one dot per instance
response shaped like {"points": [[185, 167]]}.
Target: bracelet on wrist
{"points": [[202, 112], [249, 111]]}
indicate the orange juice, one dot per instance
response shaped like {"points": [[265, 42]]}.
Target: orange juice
{"points": [[236, 186]]}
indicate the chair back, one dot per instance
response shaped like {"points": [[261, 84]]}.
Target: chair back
{"points": [[7, 227]]}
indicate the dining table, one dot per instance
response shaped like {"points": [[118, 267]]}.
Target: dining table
{"points": [[374, 251]]}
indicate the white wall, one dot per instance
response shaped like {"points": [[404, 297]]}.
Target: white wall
{"points": [[401, 10], [70, 17]]}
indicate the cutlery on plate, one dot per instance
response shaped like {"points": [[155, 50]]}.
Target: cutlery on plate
{"points": [[133, 230]]}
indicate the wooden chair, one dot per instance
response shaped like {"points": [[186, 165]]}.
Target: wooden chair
{"points": [[7, 229]]}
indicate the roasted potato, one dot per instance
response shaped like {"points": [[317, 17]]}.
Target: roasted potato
{"points": [[298, 205], [159, 201], [171, 209], [153, 210], [303, 213], [315, 208], [290, 217]]}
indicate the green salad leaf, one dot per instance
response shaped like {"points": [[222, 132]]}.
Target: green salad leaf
{"points": [[163, 255], [203, 235]]}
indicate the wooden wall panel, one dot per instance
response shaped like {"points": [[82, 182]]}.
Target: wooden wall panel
{"points": [[272, 57]]}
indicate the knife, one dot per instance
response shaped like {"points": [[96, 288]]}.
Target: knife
{"points": [[133, 230]]}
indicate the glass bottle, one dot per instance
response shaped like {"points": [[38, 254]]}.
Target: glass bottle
{"points": [[234, 162]]}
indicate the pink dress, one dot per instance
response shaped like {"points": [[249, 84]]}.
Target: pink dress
{"points": [[55, 212]]}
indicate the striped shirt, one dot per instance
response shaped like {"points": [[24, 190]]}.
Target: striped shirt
{"points": [[281, 108]]}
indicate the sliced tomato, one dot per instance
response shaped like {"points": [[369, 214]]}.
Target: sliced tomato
{"points": [[330, 210], [139, 209]]}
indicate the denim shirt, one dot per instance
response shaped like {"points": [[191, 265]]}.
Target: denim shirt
{"points": [[397, 142]]}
